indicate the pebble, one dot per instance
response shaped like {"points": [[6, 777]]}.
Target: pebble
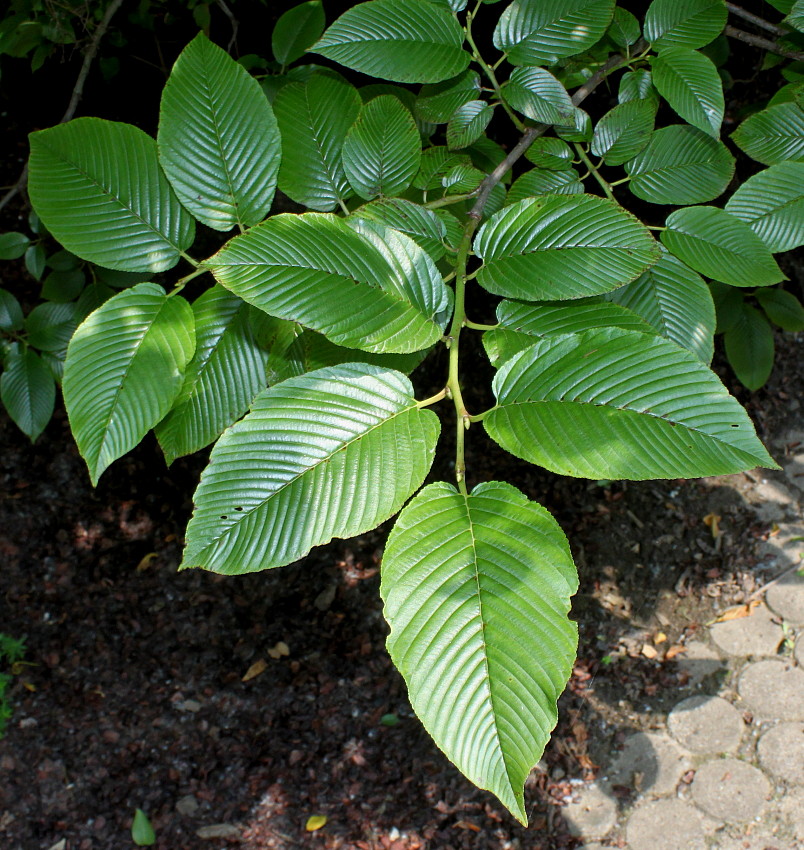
{"points": [[652, 763], [755, 635], [594, 813], [705, 724], [730, 790], [668, 824], [187, 805], [219, 830], [781, 752], [774, 690]]}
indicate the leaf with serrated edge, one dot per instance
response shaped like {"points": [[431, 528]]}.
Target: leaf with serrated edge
{"points": [[782, 308], [684, 23], [125, 366], [477, 592], [623, 131], [690, 83], [422, 225], [773, 135], [438, 102], [468, 123], [559, 247], [332, 453], [27, 391], [538, 95], [541, 182], [359, 283], [613, 403]]}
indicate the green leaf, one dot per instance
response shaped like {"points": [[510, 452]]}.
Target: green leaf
{"points": [[13, 245], [676, 302], [407, 41], [28, 391], [795, 17], [690, 83], [521, 324], [540, 32], [550, 153], [540, 182], [437, 103], [721, 246], [613, 404], [363, 286], [468, 123], [10, 312], [382, 151], [297, 30], [728, 304], [35, 260], [782, 308], [562, 246], [680, 165], [623, 131], [749, 348], [218, 140], [579, 128], [791, 93], [772, 203], [276, 486], [64, 286], [684, 23], [422, 225], [477, 593], [773, 135], [436, 163], [98, 188], [142, 833], [637, 85], [313, 119], [538, 95], [51, 325], [624, 29], [227, 371], [125, 366]]}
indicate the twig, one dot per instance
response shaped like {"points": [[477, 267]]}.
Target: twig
{"points": [[757, 593], [755, 19], [763, 43], [233, 21], [78, 91]]}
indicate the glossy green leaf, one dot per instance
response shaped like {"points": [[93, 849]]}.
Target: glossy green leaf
{"points": [[540, 182], [407, 41], [27, 391], [125, 367], [684, 23], [332, 453], [680, 165], [612, 403], [721, 246], [559, 247], [782, 308], [468, 123], [13, 245], [750, 348], [538, 95], [297, 30], [637, 85], [477, 593], [98, 187], [791, 93], [50, 325], [773, 135], [363, 286], [35, 260], [227, 371], [728, 302], [540, 32], [64, 286], [772, 203], [550, 153], [676, 302], [795, 17], [623, 131], [10, 312], [522, 324], [382, 151], [437, 102], [690, 83], [624, 29], [219, 144], [579, 129], [422, 225], [313, 118], [436, 163]]}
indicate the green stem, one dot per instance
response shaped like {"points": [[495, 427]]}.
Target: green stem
{"points": [[343, 207], [189, 259], [427, 402], [654, 227], [593, 171], [620, 182], [480, 416], [449, 199], [476, 326], [180, 284]]}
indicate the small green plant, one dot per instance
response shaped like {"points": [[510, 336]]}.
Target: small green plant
{"points": [[11, 652], [602, 337], [142, 832]]}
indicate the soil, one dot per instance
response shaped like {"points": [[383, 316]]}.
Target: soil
{"points": [[243, 706]]}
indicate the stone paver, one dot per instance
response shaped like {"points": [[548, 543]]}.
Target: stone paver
{"points": [[668, 824], [792, 808], [594, 813], [773, 690], [756, 837], [794, 464], [756, 635], [699, 661], [799, 653], [652, 763], [706, 724], [785, 547], [730, 790], [781, 752], [772, 500], [786, 598]]}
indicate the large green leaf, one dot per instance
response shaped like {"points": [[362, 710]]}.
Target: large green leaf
{"points": [[750, 348], [540, 32], [383, 150], [125, 367], [98, 188], [684, 23], [623, 131], [772, 203], [313, 119], [680, 165], [562, 246], [773, 135], [538, 95], [227, 371], [538, 181], [690, 83], [218, 140], [521, 324], [676, 302], [613, 403], [296, 30], [549, 152], [782, 308], [721, 246], [363, 286], [50, 325], [468, 123], [477, 591], [438, 102], [28, 391], [332, 453], [422, 225], [407, 41]]}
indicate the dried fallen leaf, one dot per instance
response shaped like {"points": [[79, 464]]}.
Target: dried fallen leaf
{"points": [[673, 651], [712, 521], [659, 637], [315, 822], [145, 561], [648, 651], [279, 650], [739, 611], [256, 668], [464, 824]]}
